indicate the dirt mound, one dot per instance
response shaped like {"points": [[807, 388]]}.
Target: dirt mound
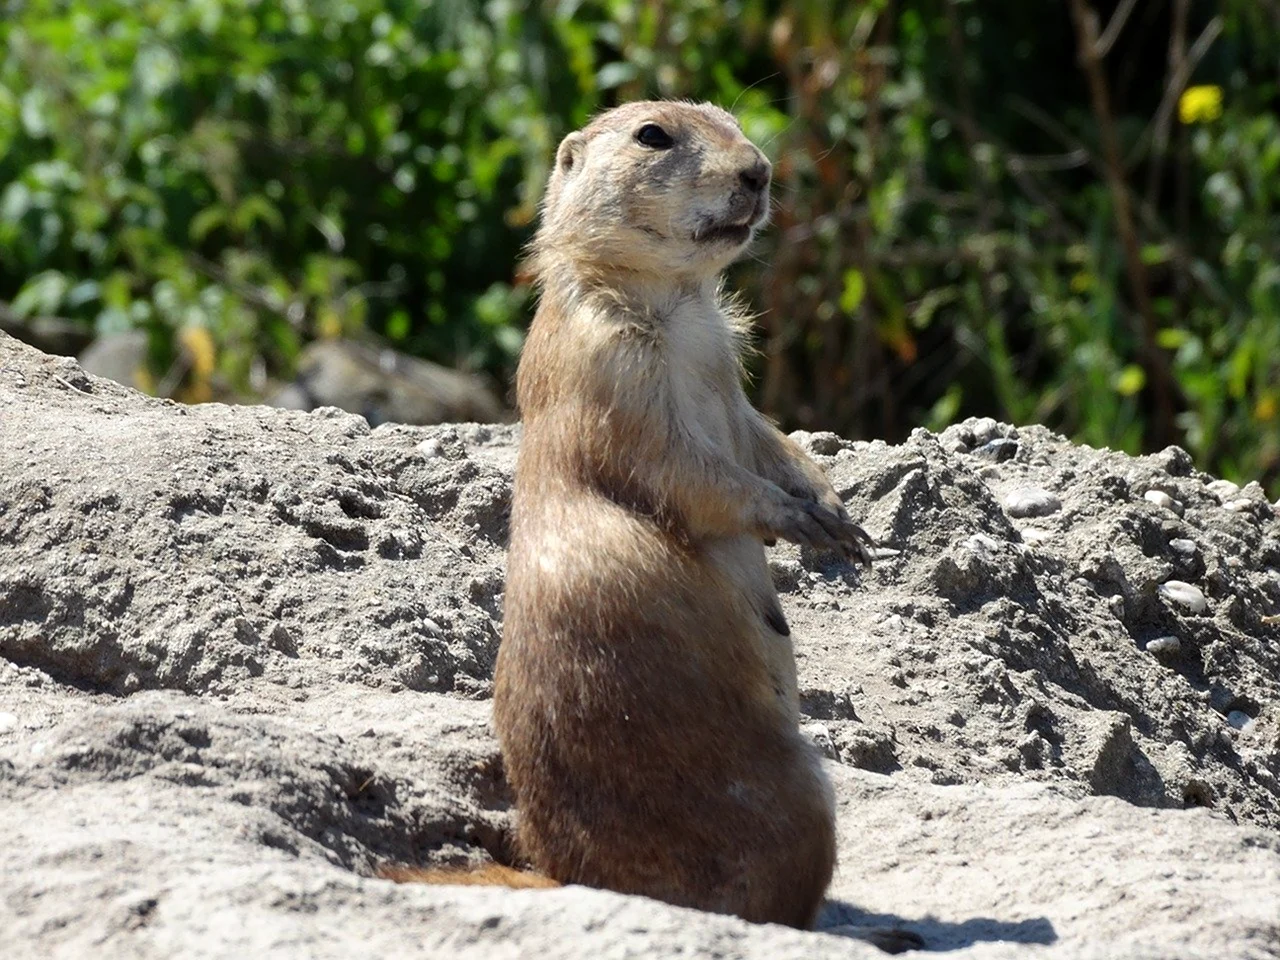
{"points": [[245, 656]]}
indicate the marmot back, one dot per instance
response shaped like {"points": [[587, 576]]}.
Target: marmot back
{"points": [[645, 695]]}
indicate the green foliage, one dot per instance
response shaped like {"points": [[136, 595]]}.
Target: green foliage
{"points": [[949, 233]]}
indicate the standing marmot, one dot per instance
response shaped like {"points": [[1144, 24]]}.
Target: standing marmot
{"points": [[645, 693]]}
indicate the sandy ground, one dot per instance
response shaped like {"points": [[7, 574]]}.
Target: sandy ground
{"points": [[246, 655]]}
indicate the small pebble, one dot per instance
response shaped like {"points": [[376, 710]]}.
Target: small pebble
{"points": [[1184, 595], [998, 451], [1239, 506], [1183, 546], [1031, 502], [1035, 536], [1223, 489], [982, 544], [429, 448], [892, 623], [7, 722], [1165, 646], [1162, 499], [984, 430], [820, 734], [1239, 719]]}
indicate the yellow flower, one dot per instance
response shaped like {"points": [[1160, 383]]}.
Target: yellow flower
{"points": [[1200, 104]]}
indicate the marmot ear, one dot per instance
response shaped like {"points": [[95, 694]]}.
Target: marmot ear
{"points": [[570, 153]]}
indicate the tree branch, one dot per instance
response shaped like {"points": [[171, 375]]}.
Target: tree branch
{"points": [[1154, 361]]}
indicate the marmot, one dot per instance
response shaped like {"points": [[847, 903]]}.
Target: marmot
{"points": [[645, 694]]}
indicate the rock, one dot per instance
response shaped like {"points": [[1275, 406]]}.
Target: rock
{"points": [[1184, 595], [249, 654], [8, 722], [1222, 489], [1031, 502], [1239, 719], [983, 430], [386, 386], [1164, 646], [998, 451], [1181, 545], [1162, 499]]}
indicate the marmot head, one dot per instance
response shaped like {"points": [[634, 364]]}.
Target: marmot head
{"points": [[655, 187]]}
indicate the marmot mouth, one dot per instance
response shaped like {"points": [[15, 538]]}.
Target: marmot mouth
{"points": [[724, 233], [737, 233]]}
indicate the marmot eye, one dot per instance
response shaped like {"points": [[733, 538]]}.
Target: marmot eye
{"points": [[652, 135]]}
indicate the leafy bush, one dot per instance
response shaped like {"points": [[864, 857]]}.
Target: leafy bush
{"points": [[1036, 211]]}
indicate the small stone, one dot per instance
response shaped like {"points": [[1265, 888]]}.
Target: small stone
{"points": [[820, 734], [984, 430], [1184, 595], [1165, 646], [1239, 506], [982, 544], [430, 448], [1183, 546], [1222, 489], [8, 722], [1035, 536], [1162, 499], [884, 553], [892, 624], [1031, 502], [1116, 605], [1239, 719], [998, 451]]}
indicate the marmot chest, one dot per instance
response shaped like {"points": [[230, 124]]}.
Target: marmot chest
{"points": [[702, 375]]}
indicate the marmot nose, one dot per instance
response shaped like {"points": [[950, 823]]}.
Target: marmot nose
{"points": [[756, 177]]}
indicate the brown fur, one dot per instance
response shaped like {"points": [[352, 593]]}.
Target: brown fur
{"points": [[645, 694], [491, 875]]}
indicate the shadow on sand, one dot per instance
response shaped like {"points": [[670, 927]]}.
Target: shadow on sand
{"points": [[940, 934]]}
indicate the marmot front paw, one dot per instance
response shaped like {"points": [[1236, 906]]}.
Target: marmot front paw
{"points": [[820, 525]]}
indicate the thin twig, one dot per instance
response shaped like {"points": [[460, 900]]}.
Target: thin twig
{"points": [[1157, 132], [1112, 33]]}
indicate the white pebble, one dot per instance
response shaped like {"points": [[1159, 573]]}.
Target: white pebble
{"points": [[429, 448], [1162, 499], [1035, 536], [7, 722], [1239, 506], [1222, 489], [1164, 646], [1184, 595], [1183, 546], [893, 623], [984, 430], [982, 544], [1031, 502], [1239, 719]]}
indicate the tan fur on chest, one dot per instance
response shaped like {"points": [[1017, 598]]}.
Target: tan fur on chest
{"points": [[700, 352]]}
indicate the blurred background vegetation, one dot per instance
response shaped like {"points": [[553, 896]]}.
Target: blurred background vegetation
{"points": [[1065, 211]]}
